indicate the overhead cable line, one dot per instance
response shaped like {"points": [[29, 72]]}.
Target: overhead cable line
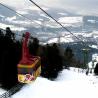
{"points": [[57, 22], [46, 14], [53, 18], [19, 14]]}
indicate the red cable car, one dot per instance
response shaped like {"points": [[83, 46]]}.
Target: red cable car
{"points": [[29, 68]]}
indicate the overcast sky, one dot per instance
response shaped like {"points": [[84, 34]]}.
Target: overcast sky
{"points": [[84, 7]]}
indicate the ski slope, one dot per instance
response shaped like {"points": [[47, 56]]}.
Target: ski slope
{"points": [[69, 84]]}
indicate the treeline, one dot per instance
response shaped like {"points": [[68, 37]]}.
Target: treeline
{"points": [[10, 54], [53, 58], [52, 61]]}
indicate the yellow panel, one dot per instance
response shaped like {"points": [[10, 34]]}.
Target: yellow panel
{"points": [[24, 79], [37, 73], [29, 66]]}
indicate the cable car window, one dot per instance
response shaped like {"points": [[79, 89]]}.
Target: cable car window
{"points": [[25, 71]]}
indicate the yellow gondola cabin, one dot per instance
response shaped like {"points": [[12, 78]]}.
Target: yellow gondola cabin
{"points": [[29, 68]]}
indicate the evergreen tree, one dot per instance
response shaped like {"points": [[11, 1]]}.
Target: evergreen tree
{"points": [[96, 69], [10, 55], [68, 56], [34, 47], [53, 62]]}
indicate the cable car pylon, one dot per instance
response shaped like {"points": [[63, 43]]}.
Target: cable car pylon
{"points": [[85, 59]]}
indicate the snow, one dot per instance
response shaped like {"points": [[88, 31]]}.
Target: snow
{"points": [[70, 19], [53, 40], [22, 12], [92, 21], [11, 18], [69, 84], [14, 28], [2, 16], [35, 8], [63, 14], [95, 57], [94, 46], [66, 38], [62, 39], [2, 91]]}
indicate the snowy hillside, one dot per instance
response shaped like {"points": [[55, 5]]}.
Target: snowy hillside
{"points": [[83, 33], [69, 84], [41, 26], [38, 23], [47, 31]]}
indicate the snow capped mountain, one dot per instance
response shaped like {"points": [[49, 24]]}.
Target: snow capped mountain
{"points": [[70, 19], [47, 30], [37, 21]]}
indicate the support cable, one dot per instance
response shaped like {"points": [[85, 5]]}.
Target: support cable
{"points": [[56, 21], [19, 14]]}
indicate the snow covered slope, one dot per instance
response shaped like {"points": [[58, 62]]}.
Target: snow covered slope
{"points": [[69, 84]]}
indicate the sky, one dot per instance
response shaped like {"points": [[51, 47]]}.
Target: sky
{"points": [[83, 7]]}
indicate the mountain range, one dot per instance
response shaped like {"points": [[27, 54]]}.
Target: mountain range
{"points": [[43, 27]]}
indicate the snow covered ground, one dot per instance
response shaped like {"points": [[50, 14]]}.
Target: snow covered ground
{"points": [[69, 84]]}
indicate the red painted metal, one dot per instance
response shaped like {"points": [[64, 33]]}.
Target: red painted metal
{"points": [[27, 59]]}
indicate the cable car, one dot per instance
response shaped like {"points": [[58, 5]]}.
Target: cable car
{"points": [[29, 68]]}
